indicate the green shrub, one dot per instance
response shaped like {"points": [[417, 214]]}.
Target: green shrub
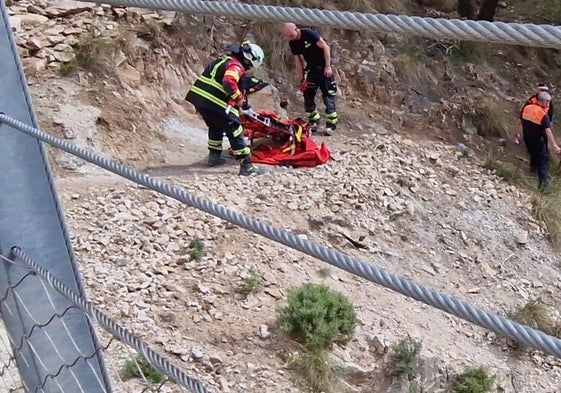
{"points": [[197, 247], [317, 317], [251, 283], [474, 380], [138, 367], [405, 356], [91, 52], [469, 52]]}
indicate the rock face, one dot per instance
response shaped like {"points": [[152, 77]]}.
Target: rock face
{"points": [[49, 33]]}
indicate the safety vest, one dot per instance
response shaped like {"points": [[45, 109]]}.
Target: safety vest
{"points": [[534, 100], [533, 113], [532, 117], [207, 91]]}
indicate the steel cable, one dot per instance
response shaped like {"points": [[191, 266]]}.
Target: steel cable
{"points": [[155, 359], [527, 34]]}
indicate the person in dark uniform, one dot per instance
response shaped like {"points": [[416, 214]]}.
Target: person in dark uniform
{"points": [[312, 58], [217, 97]]}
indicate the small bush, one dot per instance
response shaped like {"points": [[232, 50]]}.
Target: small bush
{"points": [[474, 380], [90, 53], [405, 356], [138, 367], [197, 247], [546, 206], [538, 315], [317, 317], [251, 283]]}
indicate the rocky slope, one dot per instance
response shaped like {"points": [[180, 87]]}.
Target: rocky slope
{"points": [[414, 207], [423, 211]]}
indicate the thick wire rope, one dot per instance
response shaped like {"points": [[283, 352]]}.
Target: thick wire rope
{"points": [[155, 359], [449, 304], [527, 34]]}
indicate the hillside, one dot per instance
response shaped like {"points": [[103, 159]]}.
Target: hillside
{"points": [[398, 194]]}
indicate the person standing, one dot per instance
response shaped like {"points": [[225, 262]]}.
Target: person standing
{"points": [[536, 130], [312, 58], [217, 97], [534, 100]]}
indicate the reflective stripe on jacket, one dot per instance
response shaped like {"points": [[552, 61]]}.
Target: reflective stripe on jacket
{"points": [[209, 90]]}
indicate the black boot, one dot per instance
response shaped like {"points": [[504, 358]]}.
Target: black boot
{"points": [[329, 129], [215, 158], [247, 168], [314, 127]]}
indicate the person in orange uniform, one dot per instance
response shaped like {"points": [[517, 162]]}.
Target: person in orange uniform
{"points": [[217, 97], [537, 134], [534, 100]]}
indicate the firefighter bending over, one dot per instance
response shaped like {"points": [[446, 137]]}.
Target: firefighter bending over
{"points": [[217, 97]]}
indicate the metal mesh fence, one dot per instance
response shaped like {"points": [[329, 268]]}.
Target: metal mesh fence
{"points": [[128, 370]]}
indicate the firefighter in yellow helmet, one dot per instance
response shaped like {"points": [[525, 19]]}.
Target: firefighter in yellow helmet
{"points": [[217, 97]]}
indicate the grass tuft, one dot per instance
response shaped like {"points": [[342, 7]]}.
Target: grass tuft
{"points": [[538, 315], [324, 272], [251, 283], [546, 206], [318, 371], [138, 367]]}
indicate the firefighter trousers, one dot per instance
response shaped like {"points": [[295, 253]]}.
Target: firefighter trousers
{"points": [[328, 87], [219, 124]]}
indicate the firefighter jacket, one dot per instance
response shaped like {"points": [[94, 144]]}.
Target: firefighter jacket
{"points": [[218, 85]]}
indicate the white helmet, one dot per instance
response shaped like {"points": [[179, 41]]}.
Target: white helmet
{"points": [[253, 53]]}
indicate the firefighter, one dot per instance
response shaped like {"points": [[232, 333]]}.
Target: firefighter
{"points": [[310, 48], [217, 97], [536, 130]]}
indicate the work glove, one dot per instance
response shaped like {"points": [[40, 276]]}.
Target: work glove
{"points": [[303, 84], [251, 84], [238, 102]]}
